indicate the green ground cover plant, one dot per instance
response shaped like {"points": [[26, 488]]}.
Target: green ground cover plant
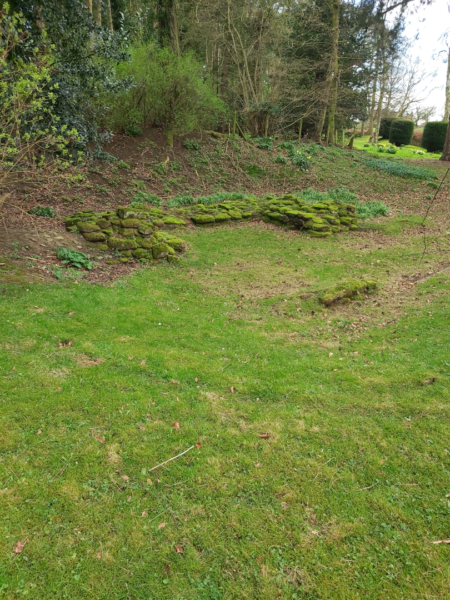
{"points": [[317, 436], [72, 258], [400, 169]]}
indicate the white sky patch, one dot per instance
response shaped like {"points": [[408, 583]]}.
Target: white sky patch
{"points": [[429, 24]]}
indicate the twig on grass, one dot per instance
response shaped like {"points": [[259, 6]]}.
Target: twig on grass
{"points": [[173, 458]]}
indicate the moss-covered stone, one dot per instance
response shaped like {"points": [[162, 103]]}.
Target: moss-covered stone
{"points": [[140, 253], [319, 234], [161, 250], [101, 247], [72, 229], [108, 232], [128, 233], [121, 243], [203, 219], [346, 221], [88, 227], [103, 223], [222, 217], [131, 223], [96, 236], [235, 214], [173, 222], [177, 244], [347, 289], [146, 230], [148, 243]]}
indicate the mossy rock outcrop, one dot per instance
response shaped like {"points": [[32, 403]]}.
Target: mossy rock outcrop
{"points": [[347, 291]]}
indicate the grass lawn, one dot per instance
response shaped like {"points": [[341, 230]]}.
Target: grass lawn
{"points": [[320, 464], [404, 152]]}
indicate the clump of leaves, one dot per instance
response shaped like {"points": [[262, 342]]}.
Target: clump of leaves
{"points": [[399, 169], [371, 209], [160, 168], [73, 258], [300, 160], [133, 130], [43, 211], [191, 144], [255, 170], [280, 159], [264, 143], [140, 197]]}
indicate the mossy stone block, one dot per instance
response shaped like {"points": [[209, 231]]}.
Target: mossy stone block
{"points": [[147, 243], [173, 222], [96, 236], [140, 253], [177, 244], [131, 223], [146, 230], [121, 244], [222, 217], [319, 234], [128, 233], [235, 214], [203, 219], [161, 250], [88, 227], [108, 231], [103, 223], [346, 221], [72, 229]]}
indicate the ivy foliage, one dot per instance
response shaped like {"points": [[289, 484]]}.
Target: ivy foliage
{"points": [[32, 135], [84, 56]]}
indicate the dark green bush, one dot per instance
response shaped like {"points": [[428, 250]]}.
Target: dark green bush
{"points": [[401, 132], [385, 127], [434, 136]]}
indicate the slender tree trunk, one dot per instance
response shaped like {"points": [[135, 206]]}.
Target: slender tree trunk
{"points": [[335, 9], [169, 137], [110, 19], [447, 89], [99, 13], [330, 91], [300, 127], [362, 127], [89, 5], [446, 151], [372, 100]]}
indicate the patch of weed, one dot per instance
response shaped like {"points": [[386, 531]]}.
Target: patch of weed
{"points": [[45, 211], [73, 258]]}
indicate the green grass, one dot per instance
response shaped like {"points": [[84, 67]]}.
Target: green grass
{"points": [[342, 500], [403, 152]]}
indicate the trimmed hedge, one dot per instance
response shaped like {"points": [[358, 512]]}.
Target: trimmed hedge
{"points": [[385, 127], [401, 132], [434, 134]]}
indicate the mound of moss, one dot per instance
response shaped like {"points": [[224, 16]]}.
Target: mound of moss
{"points": [[347, 291], [142, 232]]}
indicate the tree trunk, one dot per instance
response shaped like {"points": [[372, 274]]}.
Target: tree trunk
{"points": [[300, 127], [89, 6], [110, 19], [335, 8], [372, 100], [99, 13], [446, 150], [447, 89], [362, 127], [330, 91]]}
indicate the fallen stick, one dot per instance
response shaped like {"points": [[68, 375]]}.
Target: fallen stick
{"points": [[167, 461]]}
